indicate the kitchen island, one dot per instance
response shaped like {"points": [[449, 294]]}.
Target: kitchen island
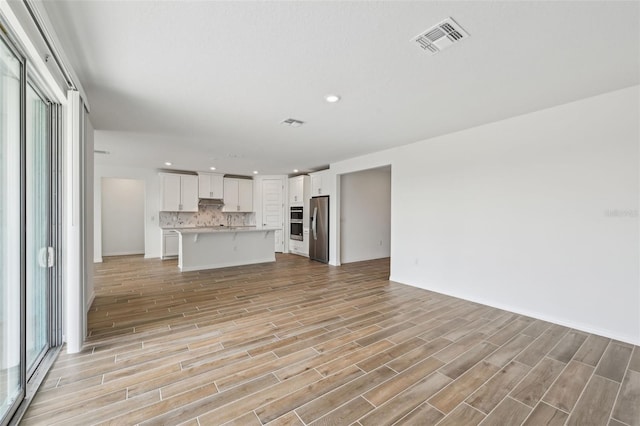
{"points": [[221, 247]]}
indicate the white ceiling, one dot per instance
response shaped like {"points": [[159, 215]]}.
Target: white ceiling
{"points": [[204, 83]]}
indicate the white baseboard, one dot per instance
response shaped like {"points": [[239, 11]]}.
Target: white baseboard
{"points": [[122, 253], [634, 340], [97, 260], [90, 302]]}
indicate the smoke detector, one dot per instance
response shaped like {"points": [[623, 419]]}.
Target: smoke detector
{"points": [[440, 36], [292, 122]]}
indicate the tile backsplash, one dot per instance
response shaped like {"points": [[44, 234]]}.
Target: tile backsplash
{"points": [[206, 216]]}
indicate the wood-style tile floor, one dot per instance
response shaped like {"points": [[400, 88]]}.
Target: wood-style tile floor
{"points": [[298, 342]]}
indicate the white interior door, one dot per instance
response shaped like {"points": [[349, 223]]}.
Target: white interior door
{"points": [[272, 209]]}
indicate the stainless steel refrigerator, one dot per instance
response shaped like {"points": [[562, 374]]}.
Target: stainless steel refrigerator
{"points": [[319, 229]]}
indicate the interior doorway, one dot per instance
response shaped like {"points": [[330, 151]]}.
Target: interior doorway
{"points": [[365, 215], [122, 216]]}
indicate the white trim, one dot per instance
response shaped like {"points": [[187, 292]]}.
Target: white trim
{"points": [[39, 66], [75, 315], [122, 253], [90, 301]]}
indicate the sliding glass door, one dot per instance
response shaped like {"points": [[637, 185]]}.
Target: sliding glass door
{"points": [[12, 368], [39, 256], [30, 294]]}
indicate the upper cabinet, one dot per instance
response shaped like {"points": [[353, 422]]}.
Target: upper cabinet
{"points": [[245, 195], [298, 190], [238, 195], [319, 184], [179, 193], [210, 185]]}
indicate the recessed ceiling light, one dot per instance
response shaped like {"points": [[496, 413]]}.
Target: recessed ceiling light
{"points": [[212, 168], [167, 163], [255, 172], [332, 98], [295, 170]]}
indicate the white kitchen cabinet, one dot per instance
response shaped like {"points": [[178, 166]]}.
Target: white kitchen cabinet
{"points": [[210, 185], [179, 193], [230, 195], [300, 248], [238, 195], [170, 243], [295, 246], [245, 195], [320, 184], [296, 190]]}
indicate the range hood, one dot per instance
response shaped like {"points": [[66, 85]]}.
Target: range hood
{"points": [[210, 202]]}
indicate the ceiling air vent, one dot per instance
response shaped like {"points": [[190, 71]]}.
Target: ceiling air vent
{"points": [[440, 36], [292, 122]]}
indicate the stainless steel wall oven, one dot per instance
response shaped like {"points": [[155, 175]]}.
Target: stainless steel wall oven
{"points": [[296, 222]]}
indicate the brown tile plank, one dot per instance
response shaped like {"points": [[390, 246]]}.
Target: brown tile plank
{"points": [[289, 419], [592, 350], [423, 352], [634, 364], [249, 419], [489, 395], [467, 360], [463, 415], [537, 382], [456, 392], [508, 412], [248, 402], [627, 407], [614, 362], [325, 403], [567, 389], [345, 414], [568, 346], [392, 387], [281, 406], [425, 414], [542, 345], [507, 352], [406, 401], [595, 404], [547, 415], [384, 357]]}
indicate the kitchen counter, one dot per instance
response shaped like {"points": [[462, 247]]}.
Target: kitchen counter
{"points": [[177, 228], [203, 230], [224, 246]]}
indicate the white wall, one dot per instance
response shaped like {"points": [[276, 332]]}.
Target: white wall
{"points": [[536, 214], [152, 232], [365, 215], [122, 216]]}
